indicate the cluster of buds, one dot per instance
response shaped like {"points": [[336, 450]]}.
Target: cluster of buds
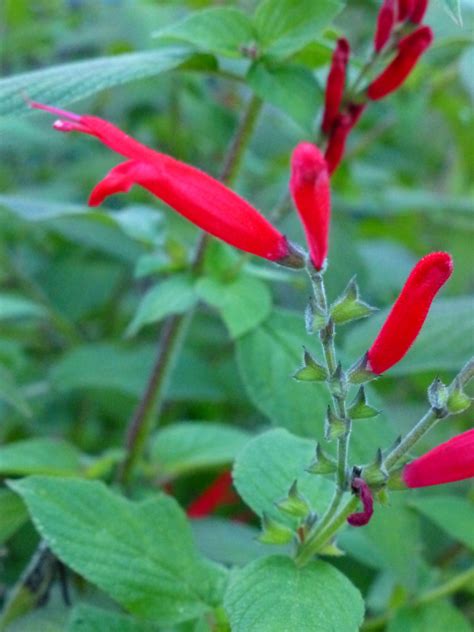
{"points": [[400, 39]]}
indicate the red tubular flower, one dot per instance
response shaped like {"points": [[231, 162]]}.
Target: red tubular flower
{"points": [[361, 518], [409, 311], [337, 141], [335, 84], [385, 23], [451, 461], [418, 12], [218, 493], [197, 196], [410, 49], [405, 7], [309, 186]]}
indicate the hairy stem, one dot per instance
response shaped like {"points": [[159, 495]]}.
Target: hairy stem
{"points": [[146, 414]]}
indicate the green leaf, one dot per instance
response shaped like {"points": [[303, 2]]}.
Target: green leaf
{"points": [[438, 616], [452, 514], [466, 64], [141, 554], [190, 446], [59, 85], [174, 295], [39, 456], [453, 9], [13, 514], [281, 597], [10, 393], [267, 358], [12, 306], [85, 618], [267, 467], [285, 27], [222, 31], [292, 89], [243, 303], [445, 342]]}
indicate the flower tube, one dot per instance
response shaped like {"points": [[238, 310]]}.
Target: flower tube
{"points": [[335, 84], [385, 22]]}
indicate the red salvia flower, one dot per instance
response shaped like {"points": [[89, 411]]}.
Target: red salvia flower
{"points": [[309, 186], [405, 7], [194, 194], [409, 311], [218, 493], [385, 22], [361, 518], [451, 461], [335, 84], [418, 11], [337, 141], [410, 49]]}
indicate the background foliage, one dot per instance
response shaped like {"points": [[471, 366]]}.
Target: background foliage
{"points": [[83, 294]]}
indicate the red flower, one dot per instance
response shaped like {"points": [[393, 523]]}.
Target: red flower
{"points": [[335, 84], [361, 518], [218, 493], [309, 186], [451, 461], [200, 198], [418, 11], [410, 49], [409, 311], [405, 7], [385, 23]]}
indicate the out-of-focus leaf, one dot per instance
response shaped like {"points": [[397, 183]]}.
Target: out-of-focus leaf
{"points": [[13, 514], [85, 618], [437, 616], [315, 598], [12, 306], [466, 64], [39, 456], [60, 85], [452, 514], [141, 554], [453, 9], [189, 446], [10, 393], [221, 30]]}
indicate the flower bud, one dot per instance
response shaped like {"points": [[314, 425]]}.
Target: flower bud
{"points": [[385, 23], [418, 11], [361, 518], [335, 84], [405, 7]]}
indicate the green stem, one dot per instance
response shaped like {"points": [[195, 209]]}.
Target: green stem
{"points": [[173, 331]]}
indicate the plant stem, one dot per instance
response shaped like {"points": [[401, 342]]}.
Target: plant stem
{"points": [[144, 419]]}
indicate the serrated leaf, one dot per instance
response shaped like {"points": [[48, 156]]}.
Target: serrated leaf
{"points": [[243, 304], [452, 514], [39, 456], [190, 446], [174, 295], [285, 27], [276, 459], [141, 554], [60, 85], [221, 30], [316, 598], [13, 514], [437, 616], [85, 618]]}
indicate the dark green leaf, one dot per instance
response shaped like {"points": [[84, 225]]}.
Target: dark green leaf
{"points": [[13, 514], [438, 616], [452, 514]]}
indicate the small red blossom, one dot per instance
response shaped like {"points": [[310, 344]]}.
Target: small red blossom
{"points": [[405, 7], [385, 22], [203, 200], [335, 84], [409, 312], [218, 493], [410, 49], [418, 12], [449, 462], [337, 141], [361, 518], [310, 189]]}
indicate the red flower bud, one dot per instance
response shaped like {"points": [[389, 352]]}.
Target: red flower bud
{"points": [[309, 186], [197, 196], [405, 7], [337, 141], [218, 493], [410, 49], [418, 11], [361, 518], [335, 84], [451, 461], [409, 312], [385, 23]]}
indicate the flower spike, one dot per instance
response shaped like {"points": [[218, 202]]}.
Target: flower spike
{"points": [[409, 312]]}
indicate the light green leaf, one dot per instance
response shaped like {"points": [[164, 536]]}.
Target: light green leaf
{"points": [[141, 554], [452, 514], [453, 9], [59, 85], [445, 342], [10, 393], [466, 64], [174, 295], [85, 618], [285, 27], [222, 31], [12, 306], [438, 616], [243, 304], [13, 514], [268, 356], [39, 456], [292, 89], [267, 466], [189, 446], [281, 597]]}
